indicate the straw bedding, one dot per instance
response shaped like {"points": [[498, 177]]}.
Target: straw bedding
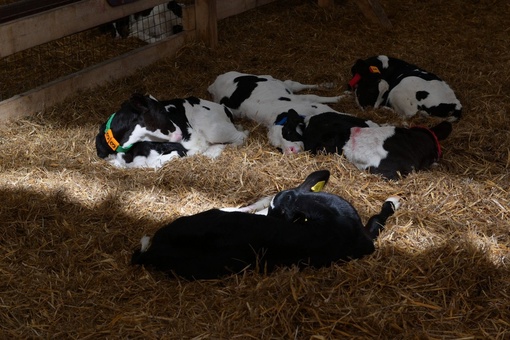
{"points": [[441, 269]]}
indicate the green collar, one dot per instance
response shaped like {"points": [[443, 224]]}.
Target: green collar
{"points": [[111, 141]]}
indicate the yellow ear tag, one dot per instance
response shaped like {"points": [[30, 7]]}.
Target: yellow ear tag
{"points": [[374, 69], [318, 186]]}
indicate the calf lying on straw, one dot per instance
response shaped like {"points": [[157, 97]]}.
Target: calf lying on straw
{"points": [[386, 150], [383, 81], [199, 126], [262, 98], [303, 227]]}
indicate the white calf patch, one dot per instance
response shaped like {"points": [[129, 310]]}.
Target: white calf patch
{"points": [[384, 60], [403, 96], [365, 147], [395, 200], [142, 134], [154, 160], [145, 243]]}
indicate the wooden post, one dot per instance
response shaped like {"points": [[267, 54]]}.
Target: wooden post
{"points": [[326, 3], [373, 11], [206, 22]]}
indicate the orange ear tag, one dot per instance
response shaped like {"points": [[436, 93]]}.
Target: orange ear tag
{"points": [[374, 69], [112, 142]]}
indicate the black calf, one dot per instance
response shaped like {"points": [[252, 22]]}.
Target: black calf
{"points": [[303, 228]]}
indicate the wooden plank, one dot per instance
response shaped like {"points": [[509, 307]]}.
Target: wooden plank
{"points": [[373, 11], [189, 18], [228, 8], [206, 22], [20, 34], [38, 99], [25, 8], [326, 3]]}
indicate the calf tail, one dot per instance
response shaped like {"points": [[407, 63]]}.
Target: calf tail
{"points": [[259, 207], [456, 115], [376, 223], [139, 254]]}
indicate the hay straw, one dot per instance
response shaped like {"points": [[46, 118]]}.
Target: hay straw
{"points": [[70, 221]]}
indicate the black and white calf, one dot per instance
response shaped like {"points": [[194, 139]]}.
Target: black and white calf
{"points": [[303, 227], [262, 98], [149, 25], [332, 130], [199, 126], [387, 150], [383, 81], [161, 22]]}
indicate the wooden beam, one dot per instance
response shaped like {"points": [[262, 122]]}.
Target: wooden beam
{"points": [[206, 22], [228, 8], [326, 3], [373, 11], [20, 9], [40, 98], [20, 34]]}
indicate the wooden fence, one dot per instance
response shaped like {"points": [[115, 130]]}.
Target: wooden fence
{"points": [[199, 21]]}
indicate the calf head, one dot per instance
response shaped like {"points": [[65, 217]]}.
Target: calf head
{"points": [[287, 132], [370, 89], [442, 130], [141, 118], [307, 203], [329, 131], [176, 9], [288, 204]]}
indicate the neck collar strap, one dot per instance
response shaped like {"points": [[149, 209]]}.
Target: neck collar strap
{"points": [[111, 141], [354, 81], [284, 120], [356, 78], [281, 121], [436, 141]]}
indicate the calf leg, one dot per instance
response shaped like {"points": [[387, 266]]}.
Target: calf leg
{"points": [[225, 133], [376, 223], [318, 99], [296, 86]]}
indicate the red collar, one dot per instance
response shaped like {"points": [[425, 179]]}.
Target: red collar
{"points": [[354, 81], [438, 145]]}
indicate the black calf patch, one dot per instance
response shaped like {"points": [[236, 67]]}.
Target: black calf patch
{"points": [[420, 95], [243, 91], [441, 110]]}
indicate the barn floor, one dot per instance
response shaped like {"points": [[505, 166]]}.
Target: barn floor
{"points": [[441, 270]]}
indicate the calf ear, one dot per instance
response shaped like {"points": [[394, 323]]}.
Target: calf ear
{"points": [[139, 102], [296, 119], [290, 116], [442, 130], [314, 182], [359, 66], [292, 112]]}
